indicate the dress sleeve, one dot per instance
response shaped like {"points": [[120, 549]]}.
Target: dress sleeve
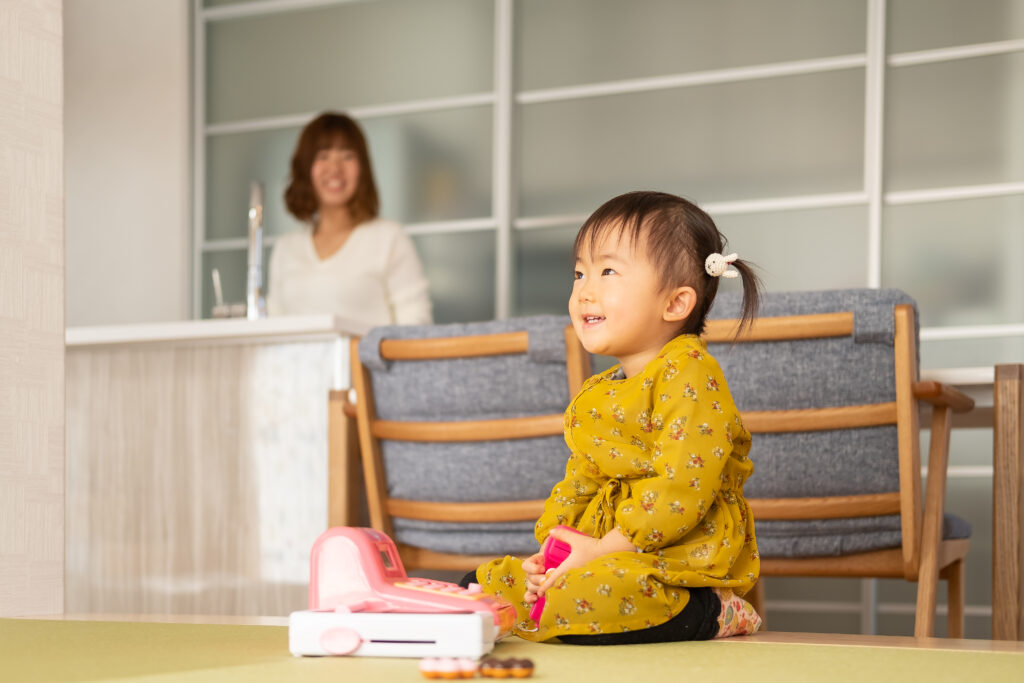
{"points": [[569, 498], [408, 289], [690, 436]]}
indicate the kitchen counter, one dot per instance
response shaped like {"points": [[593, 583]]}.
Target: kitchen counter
{"points": [[196, 471]]}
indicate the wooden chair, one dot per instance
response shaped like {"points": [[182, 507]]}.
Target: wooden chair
{"points": [[460, 429], [828, 384]]}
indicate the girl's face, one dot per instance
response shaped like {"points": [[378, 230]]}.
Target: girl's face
{"points": [[618, 304], [335, 175]]}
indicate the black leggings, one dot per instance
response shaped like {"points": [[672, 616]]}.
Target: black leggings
{"points": [[697, 621]]}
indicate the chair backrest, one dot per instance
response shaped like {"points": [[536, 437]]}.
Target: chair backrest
{"points": [[461, 430], [825, 381]]}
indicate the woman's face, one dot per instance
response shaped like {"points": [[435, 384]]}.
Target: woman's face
{"points": [[335, 175]]}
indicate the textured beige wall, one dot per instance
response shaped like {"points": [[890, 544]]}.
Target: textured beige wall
{"points": [[31, 308]]}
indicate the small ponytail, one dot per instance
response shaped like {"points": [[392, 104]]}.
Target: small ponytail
{"points": [[752, 288]]}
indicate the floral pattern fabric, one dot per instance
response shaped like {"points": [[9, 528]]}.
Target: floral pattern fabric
{"points": [[662, 457]]}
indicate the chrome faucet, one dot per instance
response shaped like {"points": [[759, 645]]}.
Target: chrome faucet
{"points": [[256, 306]]}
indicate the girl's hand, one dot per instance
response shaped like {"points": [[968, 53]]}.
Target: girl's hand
{"points": [[584, 549], [534, 568]]}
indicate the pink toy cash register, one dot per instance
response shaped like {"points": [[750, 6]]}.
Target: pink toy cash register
{"points": [[361, 602]]}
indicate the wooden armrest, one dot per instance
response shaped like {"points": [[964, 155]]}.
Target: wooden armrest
{"points": [[939, 394]]}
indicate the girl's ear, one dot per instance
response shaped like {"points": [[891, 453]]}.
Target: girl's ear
{"points": [[681, 302]]}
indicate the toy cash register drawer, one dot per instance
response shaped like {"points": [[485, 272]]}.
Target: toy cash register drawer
{"points": [[357, 572]]}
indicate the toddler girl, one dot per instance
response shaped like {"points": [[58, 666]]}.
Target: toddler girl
{"points": [[658, 451]]}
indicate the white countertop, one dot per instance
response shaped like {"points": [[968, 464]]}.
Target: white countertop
{"points": [[224, 330], [982, 376]]}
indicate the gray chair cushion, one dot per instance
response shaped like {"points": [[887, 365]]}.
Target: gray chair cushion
{"points": [[820, 373], [483, 388], [837, 537]]}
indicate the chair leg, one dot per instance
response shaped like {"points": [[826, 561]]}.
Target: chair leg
{"points": [[924, 623], [756, 598], [954, 575], [344, 480]]}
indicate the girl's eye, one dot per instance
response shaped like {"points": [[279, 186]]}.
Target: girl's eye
{"points": [[608, 271], [577, 275]]}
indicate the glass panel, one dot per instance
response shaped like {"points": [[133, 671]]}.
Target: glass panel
{"points": [[927, 24], [976, 625], [543, 270], [460, 267], [955, 123], [969, 353], [959, 259], [434, 166], [967, 448], [353, 54], [232, 265], [431, 166], [812, 589], [567, 42], [787, 247], [232, 163], [786, 619], [710, 143], [790, 248]]}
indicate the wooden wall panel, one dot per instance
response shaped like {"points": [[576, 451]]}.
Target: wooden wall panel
{"points": [[31, 309]]}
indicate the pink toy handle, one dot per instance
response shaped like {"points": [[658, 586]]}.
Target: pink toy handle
{"points": [[555, 552]]}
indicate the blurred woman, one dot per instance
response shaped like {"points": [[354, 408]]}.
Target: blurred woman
{"points": [[347, 261]]}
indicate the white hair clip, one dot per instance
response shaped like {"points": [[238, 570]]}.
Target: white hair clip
{"points": [[717, 265]]}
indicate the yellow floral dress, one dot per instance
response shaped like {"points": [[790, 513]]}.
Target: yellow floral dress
{"points": [[662, 457]]}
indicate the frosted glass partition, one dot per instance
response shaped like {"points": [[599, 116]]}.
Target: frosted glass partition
{"points": [[352, 54], [567, 42], [973, 106], [543, 270], [460, 267], [795, 250], [954, 353], [960, 260], [707, 142], [232, 162], [790, 248], [433, 166], [929, 24], [428, 166], [233, 267]]}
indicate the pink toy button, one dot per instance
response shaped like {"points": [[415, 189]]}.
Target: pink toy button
{"points": [[340, 641], [474, 588]]}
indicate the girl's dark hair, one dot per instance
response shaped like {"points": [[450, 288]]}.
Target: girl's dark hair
{"points": [[677, 237], [325, 131]]}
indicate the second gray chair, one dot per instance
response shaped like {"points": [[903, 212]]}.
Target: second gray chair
{"points": [[828, 384]]}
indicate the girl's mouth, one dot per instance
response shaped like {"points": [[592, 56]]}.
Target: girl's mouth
{"points": [[592, 319]]}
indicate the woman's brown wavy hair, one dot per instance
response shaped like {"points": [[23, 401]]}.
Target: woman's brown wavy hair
{"points": [[325, 131]]}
